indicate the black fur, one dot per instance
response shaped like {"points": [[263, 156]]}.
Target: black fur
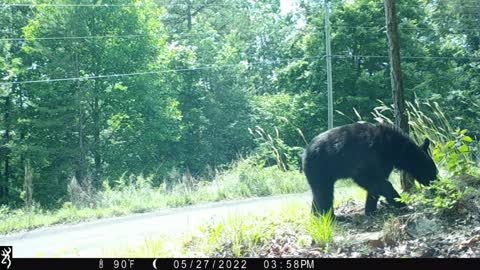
{"points": [[367, 153]]}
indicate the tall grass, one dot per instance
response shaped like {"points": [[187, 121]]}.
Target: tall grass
{"points": [[321, 228], [272, 150], [426, 120]]}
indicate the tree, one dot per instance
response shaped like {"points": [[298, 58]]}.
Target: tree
{"points": [[401, 119], [97, 128], [13, 101]]}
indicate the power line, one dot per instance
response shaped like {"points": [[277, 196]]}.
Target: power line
{"points": [[193, 34], [210, 67], [162, 4], [468, 6], [411, 57], [405, 28], [380, 4], [66, 5], [166, 4], [440, 30], [66, 38], [379, 28], [205, 67]]}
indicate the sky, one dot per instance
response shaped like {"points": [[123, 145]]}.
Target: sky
{"points": [[286, 6]]}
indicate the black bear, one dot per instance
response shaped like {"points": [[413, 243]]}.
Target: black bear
{"points": [[367, 153]]}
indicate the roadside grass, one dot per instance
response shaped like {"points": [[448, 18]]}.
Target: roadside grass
{"points": [[237, 235], [138, 195], [262, 233]]}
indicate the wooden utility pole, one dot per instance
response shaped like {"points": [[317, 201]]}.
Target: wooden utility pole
{"points": [[329, 66], [401, 118]]}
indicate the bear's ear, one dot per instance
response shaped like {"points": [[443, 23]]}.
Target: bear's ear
{"points": [[424, 146]]}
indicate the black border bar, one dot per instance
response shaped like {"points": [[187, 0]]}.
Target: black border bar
{"points": [[236, 263]]}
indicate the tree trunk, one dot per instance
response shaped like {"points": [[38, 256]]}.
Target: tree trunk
{"points": [[95, 107], [7, 120], [81, 167], [6, 167], [189, 15], [478, 19], [401, 119], [96, 138]]}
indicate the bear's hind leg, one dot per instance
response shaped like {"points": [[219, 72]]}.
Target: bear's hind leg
{"points": [[322, 200]]}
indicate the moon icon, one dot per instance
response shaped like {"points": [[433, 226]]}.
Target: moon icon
{"points": [[155, 263]]}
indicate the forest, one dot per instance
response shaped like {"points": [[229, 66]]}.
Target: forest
{"points": [[101, 90]]}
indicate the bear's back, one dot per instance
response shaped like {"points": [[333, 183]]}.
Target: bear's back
{"points": [[346, 151]]}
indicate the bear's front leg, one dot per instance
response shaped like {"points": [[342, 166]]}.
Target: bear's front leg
{"points": [[391, 194], [371, 203]]}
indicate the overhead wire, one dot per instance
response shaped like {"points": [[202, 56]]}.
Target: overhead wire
{"points": [[163, 4], [201, 67], [75, 37], [378, 28], [169, 4], [411, 57], [245, 63]]}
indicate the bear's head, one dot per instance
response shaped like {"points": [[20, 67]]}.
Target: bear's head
{"points": [[428, 171]]}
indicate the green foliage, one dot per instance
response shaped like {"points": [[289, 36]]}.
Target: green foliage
{"points": [[272, 150], [440, 195], [295, 116], [454, 155], [322, 228]]}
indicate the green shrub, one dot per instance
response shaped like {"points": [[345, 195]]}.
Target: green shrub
{"points": [[273, 151], [454, 155], [440, 195]]}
